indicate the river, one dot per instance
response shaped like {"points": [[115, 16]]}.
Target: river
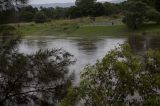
{"points": [[85, 50]]}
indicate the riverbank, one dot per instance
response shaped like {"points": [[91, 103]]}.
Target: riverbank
{"points": [[85, 27]]}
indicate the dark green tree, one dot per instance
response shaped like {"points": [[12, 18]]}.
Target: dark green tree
{"points": [[111, 8], [86, 6], [99, 9], [26, 14], [152, 3], [157, 5], [134, 14], [153, 15], [138, 12], [148, 2], [74, 12], [10, 4], [7, 16], [8, 8]]}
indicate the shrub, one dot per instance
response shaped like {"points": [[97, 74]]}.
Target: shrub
{"points": [[26, 16], [40, 17], [153, 15]]}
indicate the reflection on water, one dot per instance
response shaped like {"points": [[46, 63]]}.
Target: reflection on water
{"points": [[86, 51], [153, 42], [141, 43]]}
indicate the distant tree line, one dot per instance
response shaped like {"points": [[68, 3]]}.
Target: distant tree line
{"points": [[82, 8], [136, 12]]}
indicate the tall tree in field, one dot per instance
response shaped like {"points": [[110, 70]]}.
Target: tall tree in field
{"points": [[139, 11], [134, 14]]}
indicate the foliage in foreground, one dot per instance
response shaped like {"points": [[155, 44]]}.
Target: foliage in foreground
{"points": [[121, 78], [40, 78]]}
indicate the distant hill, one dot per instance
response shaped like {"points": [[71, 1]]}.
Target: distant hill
{"points": [[54, 5], [65, 4], [117, 1]]}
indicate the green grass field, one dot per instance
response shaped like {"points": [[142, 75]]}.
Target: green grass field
{"points": [[83, 27]]}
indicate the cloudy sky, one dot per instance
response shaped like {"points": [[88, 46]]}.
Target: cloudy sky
{"points": [[54, 1]]}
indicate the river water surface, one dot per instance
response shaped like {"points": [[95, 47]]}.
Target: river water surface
{"points": [[85, 50]]}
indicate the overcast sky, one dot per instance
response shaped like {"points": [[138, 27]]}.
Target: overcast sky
{"points": [[54, 1]]}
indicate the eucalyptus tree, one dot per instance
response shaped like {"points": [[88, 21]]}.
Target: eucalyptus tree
{"points": [[122, 78], [8, 9], [8, 4]]}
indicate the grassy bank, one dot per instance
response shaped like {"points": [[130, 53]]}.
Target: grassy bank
{"points": [[84, 27], [116, 30], [6, 30]]}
